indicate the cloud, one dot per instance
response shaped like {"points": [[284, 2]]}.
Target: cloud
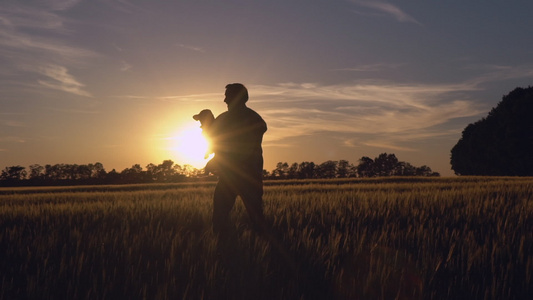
{"points": [[388, 9], [61, 80], [12, 139], [18, 16], [500, 72], [207, 97], [381, 113], [33, 42], [124, 6], [373, 113], [75, 111], [385, 145], [385, 113], [18, 33], [192, 48], [61, 4], [371, 67], [12, 123], [124, 66], [24, 48]]}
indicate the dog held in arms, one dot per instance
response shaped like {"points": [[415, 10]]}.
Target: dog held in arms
{"points": [[207, 119]]}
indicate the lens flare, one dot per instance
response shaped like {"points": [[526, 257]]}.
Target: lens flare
{"points": [[189, 146]]}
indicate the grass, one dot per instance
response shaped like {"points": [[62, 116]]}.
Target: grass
{"points": [[388, 238]]}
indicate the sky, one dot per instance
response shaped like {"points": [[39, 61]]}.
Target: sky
{"points": [[117, 82]]}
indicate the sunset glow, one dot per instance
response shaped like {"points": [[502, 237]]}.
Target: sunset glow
{"points": [[188, 146], [117, 82]]}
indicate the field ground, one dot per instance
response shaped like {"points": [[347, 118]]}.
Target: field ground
{"points": [[385, 238]]}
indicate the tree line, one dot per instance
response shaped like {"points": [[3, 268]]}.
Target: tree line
{"points": [[74, 174], [382, 166]]}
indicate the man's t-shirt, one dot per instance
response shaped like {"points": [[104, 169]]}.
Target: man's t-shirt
{"points": [[237, 136]]}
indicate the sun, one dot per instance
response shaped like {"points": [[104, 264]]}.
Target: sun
{"points": [[189, 146]]}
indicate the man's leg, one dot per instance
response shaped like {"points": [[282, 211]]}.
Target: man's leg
{"points": [[251, 192], [223, 201]]}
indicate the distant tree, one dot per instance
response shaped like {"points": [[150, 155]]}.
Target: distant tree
{"points": [[389, 165], [70, 171], [405, 169], [164, 171], [151, 171], [190, 171], [292, 171], [83, 172], [113, 177], [425, 171], [501, 143], [386, 164], [97, 170], [178, 169], [281, 171], [14, 173], [135, 174], [36, 172], [306, 170], [366, 167], [344, 168], [52, 172], [328, 169]]}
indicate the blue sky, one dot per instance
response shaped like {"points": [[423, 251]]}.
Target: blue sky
{"points": [[115, 81]]}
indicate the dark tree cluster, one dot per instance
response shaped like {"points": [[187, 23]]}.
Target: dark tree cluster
{"points": [[500, 144], [382, 166]]}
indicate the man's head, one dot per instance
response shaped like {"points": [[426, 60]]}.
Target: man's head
{"points": [[236, 95]]}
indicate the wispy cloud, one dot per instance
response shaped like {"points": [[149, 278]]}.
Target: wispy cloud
{"points": [[13, 123], [385, 145], [370, 67], [387, 9], [33, 41], [124, 66], [207, 97], [60, 79], [75, 111], [374, 113], [124, 6], [386, 113], [12, 139], [192, 48], [500, 72], [61, 4]]}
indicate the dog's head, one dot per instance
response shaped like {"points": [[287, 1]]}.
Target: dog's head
{"points": [[205, 117]]}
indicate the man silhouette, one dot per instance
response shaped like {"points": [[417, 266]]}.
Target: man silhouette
{"points": [[237, 135]]}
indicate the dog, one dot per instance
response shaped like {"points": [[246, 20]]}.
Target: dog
{"points": [[207, 119]]}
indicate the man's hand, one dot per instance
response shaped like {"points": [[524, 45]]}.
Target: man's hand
{"points": [[211, 167]]}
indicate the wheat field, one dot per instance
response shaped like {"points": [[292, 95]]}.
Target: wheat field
{"points": [[384, 238]]}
